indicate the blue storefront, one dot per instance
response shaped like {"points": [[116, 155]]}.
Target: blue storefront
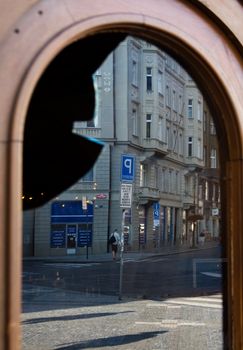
{"points": [[71, 225]]}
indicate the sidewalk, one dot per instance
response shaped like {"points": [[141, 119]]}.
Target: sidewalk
{"points": [[126, 255]]}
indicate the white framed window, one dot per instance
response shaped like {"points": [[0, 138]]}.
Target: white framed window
{"points": [[205, 117], [174, 100], [212, 128], [180, 144], [97, 78], [177, 183], [167, 95], [189, 145], [160, 128], [134, 73], [213, 158], [205, 153], [148, 125], [199, 148], [134, 122], [199, 111], [160, 82], [143, 175], [170, 179], [149, 85], [206, 190], [180, 105], [189, 108], [213, 192]]}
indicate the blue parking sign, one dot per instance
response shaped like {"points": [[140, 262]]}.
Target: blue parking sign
{"points": [[127, 167]]}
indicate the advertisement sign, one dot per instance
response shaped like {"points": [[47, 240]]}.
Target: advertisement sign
{"points": [[85, 235], [58, 236], [156, 211], [71, 211]]}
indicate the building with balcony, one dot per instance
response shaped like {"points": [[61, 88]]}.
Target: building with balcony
{"points": [[149, 114]]}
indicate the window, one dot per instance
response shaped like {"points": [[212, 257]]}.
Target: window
{"points": [[143, 175], [189, 146], [134, 122], [167, 136], [199, 148], [199, 111], [97, 78], [180, 144], [205, 121], [160, 82], [170, 181], [160, 128], [167, 95], [149, 79], [89, 176], [213, 192], [189, 107], [206, 190], [213, 158], [177, 183], [134, 73], [174, 100], [163, 180], [90, 123], [205, 154], [148, 125], [180, 105], [156, 177], [212, 128]]}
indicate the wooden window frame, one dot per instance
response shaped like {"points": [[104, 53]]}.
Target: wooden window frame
{"points": [[188, 30]]}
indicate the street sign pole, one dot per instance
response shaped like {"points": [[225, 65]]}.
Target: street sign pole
{"points": [[127, 175], [121, 255]]}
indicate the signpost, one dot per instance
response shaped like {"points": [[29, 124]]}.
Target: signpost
{"points": [[127, 176], [126, 202]]}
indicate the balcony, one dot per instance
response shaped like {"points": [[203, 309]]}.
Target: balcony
{"points": [[148, 194], [155, 146], [90, 132]]}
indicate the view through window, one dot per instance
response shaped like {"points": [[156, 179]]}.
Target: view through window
{"points": [[157, 182]]}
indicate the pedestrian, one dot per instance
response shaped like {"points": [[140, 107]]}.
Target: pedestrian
{"points": [[114, 240], [202, 238]]}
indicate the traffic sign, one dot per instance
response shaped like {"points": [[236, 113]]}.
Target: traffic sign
{"points": [[127, 167], [126, 195]]}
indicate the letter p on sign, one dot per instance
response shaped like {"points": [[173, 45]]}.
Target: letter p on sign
{"points": [[127, 167]]}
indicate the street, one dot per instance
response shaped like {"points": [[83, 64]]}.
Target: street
{"points": [[75, 305], [186, 274]]}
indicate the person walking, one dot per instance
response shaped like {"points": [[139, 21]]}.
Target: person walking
{"points": [[114, 240]]}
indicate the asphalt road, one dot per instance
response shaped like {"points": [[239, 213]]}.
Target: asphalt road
{"points": [[186, 274]]}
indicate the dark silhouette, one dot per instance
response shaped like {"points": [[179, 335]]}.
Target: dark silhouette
{"points": [[55, 158]]}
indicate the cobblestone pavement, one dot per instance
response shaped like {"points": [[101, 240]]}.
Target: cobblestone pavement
{"points": [[57, 319]]}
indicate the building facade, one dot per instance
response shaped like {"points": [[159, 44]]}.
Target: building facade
{"points": [[150, 179]]}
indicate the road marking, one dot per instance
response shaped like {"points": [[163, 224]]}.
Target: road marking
{"points": [[70, 265], [148, 323], [195, 303], [171, 323], [212, 274], [164, 305], [215, 302]]}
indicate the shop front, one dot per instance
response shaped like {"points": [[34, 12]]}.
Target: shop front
{"points": [[71, 227]]}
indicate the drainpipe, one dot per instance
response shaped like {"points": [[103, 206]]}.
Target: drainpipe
{"points": [[110, 150]]}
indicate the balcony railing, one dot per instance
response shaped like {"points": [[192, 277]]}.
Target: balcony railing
{"points": [[90, 132], [155, 145], [148, 193]]}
